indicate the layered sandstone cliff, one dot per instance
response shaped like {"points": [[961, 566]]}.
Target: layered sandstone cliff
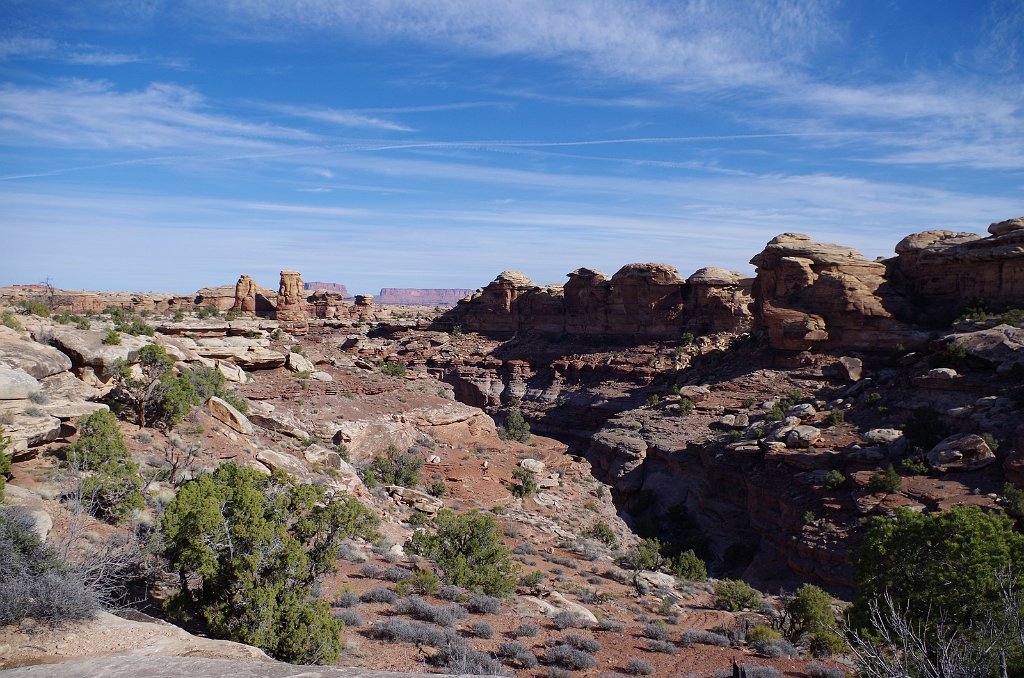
{"points": [[641, 301]]}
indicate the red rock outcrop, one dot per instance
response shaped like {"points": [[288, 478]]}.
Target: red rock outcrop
{"points": [[291, 299], [641, 301], [410, 296], [245, 295], [814, 295], [943, 272]]}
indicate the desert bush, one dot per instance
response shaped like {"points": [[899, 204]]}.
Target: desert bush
{"points": [[570, 620], [558, 672], [460, 659], [888, 481], [394, 468], [395, 574], [249, 551], [37, 308], [525, 630], [662, 646], [656, 632], [581, 642], [610, 625], [111, 488], [603, 533], [423, 582], [442, 615], [569, 658], [735, 595], [757, 671], [808, 616], [819, 670], [34, 582], [698, 637], [481, 629], [393, 368], [7, 319], [515, 426], [371, 571], [525, 549], [638, 667], [452, 593], [688, 566], [351, 618], [404, 631], [347, 599], [112, 338], [646, 555], [482, 604], [516, 653], [762, 633], [834, 479], [775, 649], [526, 483], [379, 594], [469, 551]]}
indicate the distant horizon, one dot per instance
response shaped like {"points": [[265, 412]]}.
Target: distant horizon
{"points": [[396, 143]]}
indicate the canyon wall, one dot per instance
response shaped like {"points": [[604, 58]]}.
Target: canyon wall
{"points": [[640, 302]]}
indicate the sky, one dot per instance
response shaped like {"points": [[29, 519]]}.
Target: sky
{"points": [[167, 146]]}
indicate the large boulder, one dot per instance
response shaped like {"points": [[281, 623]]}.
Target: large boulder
{"points": [[16, 384], [86, 348], [222, 411], [36, 359], [1001, 346], [961, 452]]}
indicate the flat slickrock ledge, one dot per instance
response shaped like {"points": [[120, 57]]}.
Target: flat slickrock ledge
{"points": [[194, 667]]}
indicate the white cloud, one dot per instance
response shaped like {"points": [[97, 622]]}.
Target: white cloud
{"points": [[93, 114], [341, 117]]}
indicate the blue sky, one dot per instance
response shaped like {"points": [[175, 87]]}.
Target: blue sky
{"points": [[151, 145]]}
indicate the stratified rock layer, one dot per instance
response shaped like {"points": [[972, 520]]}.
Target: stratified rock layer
{"points": [[641, 301]]}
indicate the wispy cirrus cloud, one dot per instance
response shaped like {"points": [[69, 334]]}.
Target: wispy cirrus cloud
{"points": [[95, 114], [342, 118]]}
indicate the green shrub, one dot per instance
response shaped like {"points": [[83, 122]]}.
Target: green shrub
{"points": [[1012, 502], [603, 533], [154, 393], [653, 400], [37, 308], [834, 480], [762, 634], [112, 338], [393, 468], [835, 417], [7, 319], [735, 595], [686, 407], [888, 481], [515, 426], [469, 551], [393, 368], [646, 555], [112, 486], [942, 567], [526, 483], [437, 489], [249, 551], [533, 580], [914, 467], [689, 567], [808, 615]]}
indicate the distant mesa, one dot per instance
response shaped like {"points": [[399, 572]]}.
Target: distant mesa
{"points": [[328, 286], [411, 296]]}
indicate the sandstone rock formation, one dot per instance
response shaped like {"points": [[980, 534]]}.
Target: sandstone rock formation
{"points": [[808, 294], [411, 296], [245, 295], [291, 300], [944, 271], [641, 301]]}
